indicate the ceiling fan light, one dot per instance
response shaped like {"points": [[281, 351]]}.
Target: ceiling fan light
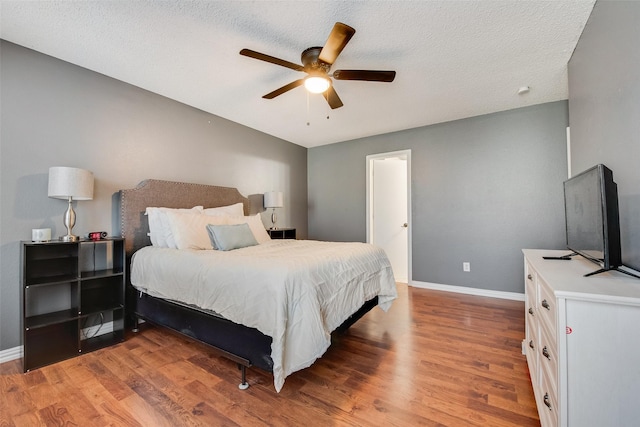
{"points": [[316, 84]]}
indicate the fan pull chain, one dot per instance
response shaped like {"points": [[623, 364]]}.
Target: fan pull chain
{"points": [[308, 115], [309, 110]]}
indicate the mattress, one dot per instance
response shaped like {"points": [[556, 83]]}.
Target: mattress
{"points": [[294, 291]]}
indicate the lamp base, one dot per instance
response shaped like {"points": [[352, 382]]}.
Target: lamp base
{"points": [[69, 222]]}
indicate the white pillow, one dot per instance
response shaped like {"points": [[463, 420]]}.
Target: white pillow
{"points": [[159, 230], [255, 224], [231, 210], [190, 231]]}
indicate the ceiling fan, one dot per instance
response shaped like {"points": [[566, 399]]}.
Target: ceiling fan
{"points": [[317, 61]]}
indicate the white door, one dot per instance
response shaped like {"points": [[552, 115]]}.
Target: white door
{"points": [[388, 219]]}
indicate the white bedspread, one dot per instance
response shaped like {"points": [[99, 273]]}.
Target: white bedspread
{"points": [[295, 291]]}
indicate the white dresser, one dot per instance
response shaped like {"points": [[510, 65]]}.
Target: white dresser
{"points": [[582, 342]]}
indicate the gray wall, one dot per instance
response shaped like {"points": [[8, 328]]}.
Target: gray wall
{"points": [[58, 114], [482, 189], [604, 105]]}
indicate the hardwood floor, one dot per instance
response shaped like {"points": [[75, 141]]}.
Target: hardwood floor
{"points": [[435, 359]]}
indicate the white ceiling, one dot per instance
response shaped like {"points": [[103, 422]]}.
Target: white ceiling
{"points": [[453, 59]]}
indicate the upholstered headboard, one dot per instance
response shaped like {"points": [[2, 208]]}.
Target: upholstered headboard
{"points": [[169, 194]]}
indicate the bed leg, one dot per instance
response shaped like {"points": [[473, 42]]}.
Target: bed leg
{"points": [[135, 324], [244, 384]]}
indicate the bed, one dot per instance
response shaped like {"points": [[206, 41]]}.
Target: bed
{"points": [[272, 306]]}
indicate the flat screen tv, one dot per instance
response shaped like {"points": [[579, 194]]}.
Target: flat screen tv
{"points": [[592, 219]]}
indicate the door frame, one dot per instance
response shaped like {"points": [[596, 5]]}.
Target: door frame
{"points": [[406, 154]]}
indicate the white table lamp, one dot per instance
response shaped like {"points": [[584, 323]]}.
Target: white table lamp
{"points": [[273, 200], [69, 184]]}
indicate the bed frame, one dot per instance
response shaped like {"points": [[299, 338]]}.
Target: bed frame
{"points": [[246, 346]]}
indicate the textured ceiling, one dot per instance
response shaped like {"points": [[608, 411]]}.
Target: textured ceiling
{"points": [[453, 59]]}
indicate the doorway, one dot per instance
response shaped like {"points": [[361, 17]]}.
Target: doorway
{"points": [[389, 208]]}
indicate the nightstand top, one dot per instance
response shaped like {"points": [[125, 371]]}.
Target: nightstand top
{"points": [[83, 240]]}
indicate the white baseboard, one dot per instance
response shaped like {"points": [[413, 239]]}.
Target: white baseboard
{"points": [[470, 291], [11, 354]]}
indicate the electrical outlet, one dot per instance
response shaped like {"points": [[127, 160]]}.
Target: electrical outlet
{"points": [[466, 266]]}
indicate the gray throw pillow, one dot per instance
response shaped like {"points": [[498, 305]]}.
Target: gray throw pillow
{"points": [[229, 237]]}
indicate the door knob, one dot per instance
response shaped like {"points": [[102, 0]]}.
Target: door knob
{"points": [[405, 225]]}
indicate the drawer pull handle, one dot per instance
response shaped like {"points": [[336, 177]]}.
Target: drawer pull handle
{"points": [[545, 304], [531, 344], [529, 276], [547, 401], [545, 352], [531, 311]]}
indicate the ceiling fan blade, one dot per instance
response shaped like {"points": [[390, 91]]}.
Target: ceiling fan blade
{"points": [[272, 59], [284, 89], [338, 39], [368, 75], [332, 98]]}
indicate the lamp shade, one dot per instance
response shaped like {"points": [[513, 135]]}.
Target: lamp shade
{"points": [[65, 182], [273, 199]]}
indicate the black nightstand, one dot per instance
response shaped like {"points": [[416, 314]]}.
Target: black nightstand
{"points": [[282, 233], [73, 300]]}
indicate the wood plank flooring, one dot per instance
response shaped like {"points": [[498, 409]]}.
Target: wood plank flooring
{"points": [[435, 359]]}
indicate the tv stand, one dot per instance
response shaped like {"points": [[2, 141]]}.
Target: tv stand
{"points": [[602, 270], [567, 257]]}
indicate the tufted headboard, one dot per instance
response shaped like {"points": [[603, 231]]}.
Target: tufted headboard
{"points": [[169, 194]]}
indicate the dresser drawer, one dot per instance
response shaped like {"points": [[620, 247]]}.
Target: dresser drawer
{"points": [[530, 281], [548, 407], [532, 351], [530, 292], [546, 309], [548, 359], [530, 304]]}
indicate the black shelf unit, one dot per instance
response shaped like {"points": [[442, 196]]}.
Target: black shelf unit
{"points": [[73, 298], [282, 233]]}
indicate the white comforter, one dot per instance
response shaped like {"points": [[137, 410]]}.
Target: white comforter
{"points": [[295, 291]]}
